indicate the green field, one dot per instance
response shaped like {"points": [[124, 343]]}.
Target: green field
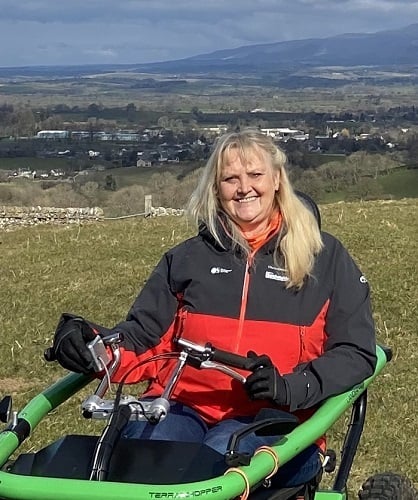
{"points": [[96, 270], [34, 163], [403, 183]]}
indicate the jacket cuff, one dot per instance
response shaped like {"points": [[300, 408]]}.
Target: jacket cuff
{"points": [[300, 388]]}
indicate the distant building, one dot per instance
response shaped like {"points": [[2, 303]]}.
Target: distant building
{"points": [[216, 130], [284, 134], [143, 163], [53, 134], [127, 136]]}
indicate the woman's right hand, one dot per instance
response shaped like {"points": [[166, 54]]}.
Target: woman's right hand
{"points": [[69, 346]]}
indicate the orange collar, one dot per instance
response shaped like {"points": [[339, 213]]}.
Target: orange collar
{"points": [[273, 226]]}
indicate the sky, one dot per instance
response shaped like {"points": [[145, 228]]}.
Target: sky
{"points": [[76, 32]]}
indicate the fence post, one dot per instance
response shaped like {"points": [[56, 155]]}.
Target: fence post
{"points": [[148, 204]]}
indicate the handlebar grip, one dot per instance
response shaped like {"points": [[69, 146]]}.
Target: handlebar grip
{"points": [[49, 354], [231, 359]]}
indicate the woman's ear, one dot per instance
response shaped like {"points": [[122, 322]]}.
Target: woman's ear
{"points": [[276, 180]]}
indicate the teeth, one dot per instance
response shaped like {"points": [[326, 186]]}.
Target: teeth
{"points": [[245, 200]]}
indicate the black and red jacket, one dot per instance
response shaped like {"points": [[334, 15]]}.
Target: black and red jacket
{"points": [[321, 338]]}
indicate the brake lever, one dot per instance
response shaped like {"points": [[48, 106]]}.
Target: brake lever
{"points": [[224, 369]]}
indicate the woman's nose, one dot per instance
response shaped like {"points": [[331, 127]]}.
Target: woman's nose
{"points": [[244, 186]]}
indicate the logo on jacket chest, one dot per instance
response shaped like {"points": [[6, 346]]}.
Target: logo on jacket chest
{"points": [[276, 274], [220, 270]]}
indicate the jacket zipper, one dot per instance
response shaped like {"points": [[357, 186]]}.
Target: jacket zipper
{"points": [[244, 298], [302, 332], [179, 321]]}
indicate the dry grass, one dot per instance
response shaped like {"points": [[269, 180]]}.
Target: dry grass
{"points": [[97, 270]]}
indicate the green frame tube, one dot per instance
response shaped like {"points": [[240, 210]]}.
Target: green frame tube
{"points": [[230, 485]]}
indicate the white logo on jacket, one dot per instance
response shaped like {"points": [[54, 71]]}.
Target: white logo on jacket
{"points": [[220, 270], [276, 273]]}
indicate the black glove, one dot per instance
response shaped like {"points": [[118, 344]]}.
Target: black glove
{"points": [[265, 382], [69, 346]]}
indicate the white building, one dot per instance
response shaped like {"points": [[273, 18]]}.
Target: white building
{"points": [[52, 134]]}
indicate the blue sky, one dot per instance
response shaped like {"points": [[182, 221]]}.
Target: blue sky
{"points": [[67, 32]]}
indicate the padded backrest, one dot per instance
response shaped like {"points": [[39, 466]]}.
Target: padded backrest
{"points": [[313, 207]]}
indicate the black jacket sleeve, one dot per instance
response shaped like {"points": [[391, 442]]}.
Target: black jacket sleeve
{"points": [[350, 351], [152, 313]]}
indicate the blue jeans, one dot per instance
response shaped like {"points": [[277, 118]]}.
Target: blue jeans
{"points": [[184, 424]]}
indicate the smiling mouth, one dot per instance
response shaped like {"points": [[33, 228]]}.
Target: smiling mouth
{"points": [[247, 200]]}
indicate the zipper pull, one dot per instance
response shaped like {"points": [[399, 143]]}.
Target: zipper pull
{"points": [[250, 262]]}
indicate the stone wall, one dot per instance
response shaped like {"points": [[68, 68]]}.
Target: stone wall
{"points": [[11, 217], [161, 211]]}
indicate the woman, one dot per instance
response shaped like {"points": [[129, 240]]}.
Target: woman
{"points": [[260, 280]]}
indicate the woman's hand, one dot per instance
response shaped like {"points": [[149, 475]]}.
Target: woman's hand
{"points": [[70, 349], [265, 382]]}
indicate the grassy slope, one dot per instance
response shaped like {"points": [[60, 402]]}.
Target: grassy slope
{"points": [[398, 184], [97, 270], [34, 163], [402, 183], [382, 238]]}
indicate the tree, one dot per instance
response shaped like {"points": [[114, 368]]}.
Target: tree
{"points": [[310, 183], [24, 123], [126, 201], [90, 191], [412, 147], [197, 114], [53, 122], [63, 195], [163, 121], [93, 110], [131, 112], [332, 175], [365, 189], [110, 183]]}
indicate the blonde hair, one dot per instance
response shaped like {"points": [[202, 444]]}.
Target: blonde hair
{"points": [[299, 239]]}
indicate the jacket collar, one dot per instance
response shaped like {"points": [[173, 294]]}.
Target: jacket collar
{"points": [[225, 237]]}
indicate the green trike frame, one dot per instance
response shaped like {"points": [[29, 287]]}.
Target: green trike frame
{"points": [[228, 486]]}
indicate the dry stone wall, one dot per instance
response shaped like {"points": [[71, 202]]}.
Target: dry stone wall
{"points": [[12, 217], [161, 211]]}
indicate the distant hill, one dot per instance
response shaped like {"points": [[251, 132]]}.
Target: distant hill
{"points": [[384, 48], [390, 49]]}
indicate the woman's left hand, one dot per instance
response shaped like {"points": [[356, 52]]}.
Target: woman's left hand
{"points": [[265, 382]]}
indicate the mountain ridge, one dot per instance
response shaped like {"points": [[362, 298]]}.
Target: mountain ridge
{"points": [[383, 48], [388, 48]]}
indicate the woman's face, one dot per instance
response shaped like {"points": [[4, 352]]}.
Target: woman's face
{"points": [[246, 190]]}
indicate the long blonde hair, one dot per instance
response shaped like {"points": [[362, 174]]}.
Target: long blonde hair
{"points": [[299, 239]]}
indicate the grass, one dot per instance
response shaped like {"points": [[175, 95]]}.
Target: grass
{"points": [[32, 163], [382, 238], [401, 183], [96, 270], [398, 184], [128, 176]]}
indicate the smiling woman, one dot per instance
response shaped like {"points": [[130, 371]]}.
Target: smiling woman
{"points": [[247, 188], [246, 180], [259, 277]]}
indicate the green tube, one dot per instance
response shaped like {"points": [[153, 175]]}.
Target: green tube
{"points": [[330, 495], [228, 486], [315, 427], [38, 408], [65, 388]]}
